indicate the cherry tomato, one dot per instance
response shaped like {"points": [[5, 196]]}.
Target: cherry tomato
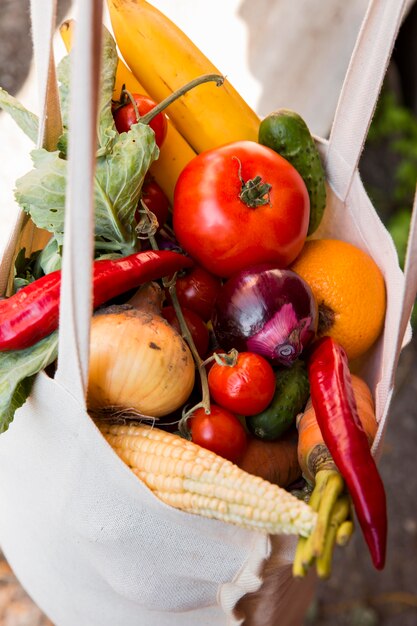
{"points": [[197, 290], [156, 201], [125, 115], [220, 431], [246, 388], [196, 326], [227, 221]]}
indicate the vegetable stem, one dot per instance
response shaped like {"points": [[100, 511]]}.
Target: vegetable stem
{"points": [[330, 494], [200, 364], [298, 569], [205, 400], [340, 512], [344, 533], [161, 106]]}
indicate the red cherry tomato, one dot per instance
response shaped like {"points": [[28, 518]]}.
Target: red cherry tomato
{"points": [[246, 388], [224, 230], [197, 290], [196, 326], [220, 431], [156, 201], [125, 115]]}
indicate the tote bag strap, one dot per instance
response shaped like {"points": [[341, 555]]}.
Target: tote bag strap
{"points": [[75, 301], [359, 94], [76, 286]]}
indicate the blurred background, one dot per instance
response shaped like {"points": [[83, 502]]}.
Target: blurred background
{"points": [[281, 53]]}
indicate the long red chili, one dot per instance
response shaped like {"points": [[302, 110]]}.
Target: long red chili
{"points": [[335, 408], [32, 313]]}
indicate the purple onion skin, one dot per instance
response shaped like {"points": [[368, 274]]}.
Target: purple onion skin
{"points": [[266, 310]]}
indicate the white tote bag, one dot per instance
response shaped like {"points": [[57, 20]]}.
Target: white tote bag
{"points": [[88, 541]]}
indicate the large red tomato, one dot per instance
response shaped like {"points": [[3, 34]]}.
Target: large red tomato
{"points": [[239, 205]]}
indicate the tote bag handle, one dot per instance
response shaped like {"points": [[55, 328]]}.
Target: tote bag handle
{"points": [[354, 111], [76, 287], [76, 301], [360, 90]]}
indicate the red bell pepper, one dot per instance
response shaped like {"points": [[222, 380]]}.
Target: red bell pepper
{"points": [[32, 313], [335, 408]]}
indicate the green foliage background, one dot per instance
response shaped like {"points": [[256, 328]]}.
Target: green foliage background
{"points": [[392, 147]]}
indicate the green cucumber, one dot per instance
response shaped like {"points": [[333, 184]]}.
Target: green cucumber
{"points": [[291, 394], [287, 134]]}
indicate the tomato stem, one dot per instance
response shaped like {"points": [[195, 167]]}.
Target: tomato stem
{"points": [[254, 192], [226, 360], [161, 106], [200, 364]]}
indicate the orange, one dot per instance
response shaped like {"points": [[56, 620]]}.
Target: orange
{"points": [[349, 289]]}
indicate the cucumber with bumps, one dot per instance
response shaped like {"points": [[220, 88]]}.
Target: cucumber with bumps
{"points": [[287, 134], [291, 394]]}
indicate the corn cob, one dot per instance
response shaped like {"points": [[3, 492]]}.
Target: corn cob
{"points": [[163, 59], [175, 152], [195, 480]]}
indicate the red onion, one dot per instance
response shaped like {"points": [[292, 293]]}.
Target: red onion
{"points": [[268, 311]]}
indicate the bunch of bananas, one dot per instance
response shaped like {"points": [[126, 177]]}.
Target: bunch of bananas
{"points": [[161, 59]]}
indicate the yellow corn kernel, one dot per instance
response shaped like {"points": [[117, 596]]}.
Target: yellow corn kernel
{"points": [[193, 479]]}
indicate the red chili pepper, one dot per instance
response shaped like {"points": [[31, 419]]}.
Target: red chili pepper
{"points": [[32, 313], [335, 408]]}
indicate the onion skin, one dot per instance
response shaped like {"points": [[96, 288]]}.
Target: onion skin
{"points": [[266, 310], [138, 363]]}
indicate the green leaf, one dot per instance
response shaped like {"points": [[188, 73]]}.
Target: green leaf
{"points": [[41, 192], [119, 179], [50, 258], [25, 269], [118, 182], [17, 371], [26, 120], [106, 127]]}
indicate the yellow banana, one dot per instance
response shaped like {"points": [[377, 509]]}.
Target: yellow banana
{"points": [[164, 59], [175, 152]]}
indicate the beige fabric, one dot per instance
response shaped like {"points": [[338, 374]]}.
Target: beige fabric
{"points": [[88, 541]]}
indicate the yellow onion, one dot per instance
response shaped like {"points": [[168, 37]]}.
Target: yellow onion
{"points": [[138, 362]]}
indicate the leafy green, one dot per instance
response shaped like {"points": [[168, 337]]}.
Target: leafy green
{"points": [[27, 121], [118, 182], [17, 370], [41, 192], [40, 262], [24, 267], [49, 259], [122, 162], [106, 128]]}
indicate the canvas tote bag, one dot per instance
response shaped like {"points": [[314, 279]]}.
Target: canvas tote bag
{"points": [[88, 541]]}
